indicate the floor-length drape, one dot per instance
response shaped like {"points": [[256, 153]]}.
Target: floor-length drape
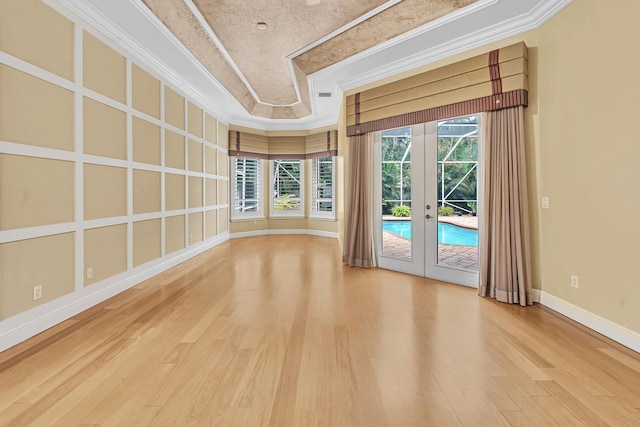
{"points": [[358, 232], [505, 265]]}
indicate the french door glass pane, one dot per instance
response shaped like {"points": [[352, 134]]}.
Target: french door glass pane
{"points": [[458, 192], [396, 193]]}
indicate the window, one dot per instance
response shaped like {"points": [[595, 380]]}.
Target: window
{"points": [[286, 188], [246, 188], [322, 185]]}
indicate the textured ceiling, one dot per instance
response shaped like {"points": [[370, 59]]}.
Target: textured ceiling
{"points": [[266, 70]]}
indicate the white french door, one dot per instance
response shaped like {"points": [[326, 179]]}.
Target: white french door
{"points": [[427, 167]]}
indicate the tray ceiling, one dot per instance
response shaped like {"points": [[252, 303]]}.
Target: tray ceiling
{"points": [[272, 78], [262, 51]]}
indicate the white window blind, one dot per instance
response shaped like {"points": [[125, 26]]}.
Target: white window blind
{"points": [[322, 187], [286, 182], [246, 187]]}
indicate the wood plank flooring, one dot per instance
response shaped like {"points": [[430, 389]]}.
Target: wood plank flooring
{"points": [[275, 331]]}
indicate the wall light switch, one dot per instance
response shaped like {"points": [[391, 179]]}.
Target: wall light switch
{"points": [[545, 203]]}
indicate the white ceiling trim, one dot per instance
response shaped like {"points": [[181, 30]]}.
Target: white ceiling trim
{"points": [[346, 27], [503, 30], [422, 30], [394, 57], [517, 25], [94, 18]]}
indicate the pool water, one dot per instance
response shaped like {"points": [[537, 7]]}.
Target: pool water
{"points": [[448, 234]]}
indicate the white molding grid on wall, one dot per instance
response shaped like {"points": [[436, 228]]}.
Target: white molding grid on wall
{"points": [[20, 327]]}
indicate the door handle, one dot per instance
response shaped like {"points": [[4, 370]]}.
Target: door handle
{"points": [[427, 216]]}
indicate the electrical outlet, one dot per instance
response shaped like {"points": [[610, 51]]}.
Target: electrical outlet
{"points": [[90, 273], [574, 281], [190, 238], [545, 203], [37, 292]]}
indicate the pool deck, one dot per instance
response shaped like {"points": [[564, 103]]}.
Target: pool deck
{"points": [[455, 256]]}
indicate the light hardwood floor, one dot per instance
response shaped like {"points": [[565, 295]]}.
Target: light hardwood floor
{"points": [[275, 331]]}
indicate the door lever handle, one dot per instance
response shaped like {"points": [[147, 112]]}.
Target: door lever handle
{"points": [[427, 216]]}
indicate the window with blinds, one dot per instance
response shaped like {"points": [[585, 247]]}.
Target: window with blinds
{"points": [[322, 187], [246, 188], [286, 188]]}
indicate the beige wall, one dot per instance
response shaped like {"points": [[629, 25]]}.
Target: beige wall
{"points": [[195, 119], [94, 199], [34, 111], [195, 192], [103, 69], [210, 160], [173, 108], [146, 191], [49, 44], [146, 241], [105, 252], [210, 222], [105, 191], [174, 233], [588, 156], [146, 142], [145, 92], [195, 228], [105, 130], [195, 156], [54, 257], [174, 150], [210, 128], [579, 116], [174, 187], [35, 191], [580, 109]]}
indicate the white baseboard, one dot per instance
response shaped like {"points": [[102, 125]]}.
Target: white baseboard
{"points": [[284, 231], [23, 326], [535, 295], [609, 329]]}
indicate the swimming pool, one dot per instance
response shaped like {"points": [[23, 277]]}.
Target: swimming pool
{"points": [[448, 234]]}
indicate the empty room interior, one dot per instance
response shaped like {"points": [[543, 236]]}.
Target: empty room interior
{"points": [[319, 213]]}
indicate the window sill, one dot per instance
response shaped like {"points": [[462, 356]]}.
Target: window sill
{"points": [[248, 218], [322, 218], [287, 217]]}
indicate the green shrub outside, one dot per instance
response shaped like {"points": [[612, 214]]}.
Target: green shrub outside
{"points": [[445, 211], [401, 210]]}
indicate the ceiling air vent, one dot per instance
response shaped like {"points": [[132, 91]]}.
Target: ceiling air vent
{"points": [[324, 94]]}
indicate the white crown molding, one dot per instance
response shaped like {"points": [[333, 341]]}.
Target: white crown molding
{"points": [[361, 69], [416, 32], [503, 30], [30, 323], [96, 19], [346, 27]]}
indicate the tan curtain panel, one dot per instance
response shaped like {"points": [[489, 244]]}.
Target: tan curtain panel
{"points": [[504, 260], [322, 144], [358, 248], [487, 82]]}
